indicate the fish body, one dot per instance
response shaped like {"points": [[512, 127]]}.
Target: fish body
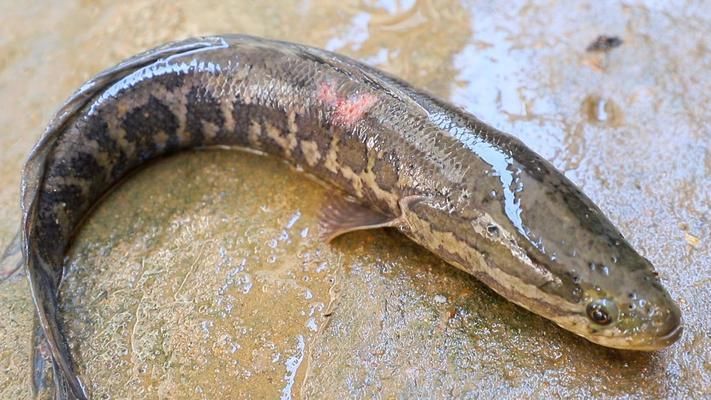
{"points": [[473, 195]]}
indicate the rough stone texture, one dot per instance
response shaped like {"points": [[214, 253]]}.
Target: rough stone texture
{"points": [[202, 274]]}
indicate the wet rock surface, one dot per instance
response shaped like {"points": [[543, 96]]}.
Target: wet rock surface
{"points": [[202, 276]]}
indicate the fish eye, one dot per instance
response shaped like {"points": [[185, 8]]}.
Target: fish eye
{"points": [[602, 312]]}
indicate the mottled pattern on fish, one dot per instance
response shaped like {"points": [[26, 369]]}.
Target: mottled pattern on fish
{"points": [[475, 196]]}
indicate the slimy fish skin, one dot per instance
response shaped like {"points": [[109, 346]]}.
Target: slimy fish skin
{"points": [[476, 197]]}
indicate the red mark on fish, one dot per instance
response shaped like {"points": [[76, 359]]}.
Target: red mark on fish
{"points": [[347, 109]]}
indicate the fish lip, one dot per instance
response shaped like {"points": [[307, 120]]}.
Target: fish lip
{"points": [[672, 336], [660, 342], [653, 343]]}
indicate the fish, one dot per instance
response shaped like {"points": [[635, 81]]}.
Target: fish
{"points": [[399, 157]]}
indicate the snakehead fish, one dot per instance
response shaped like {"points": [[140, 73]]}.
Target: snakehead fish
{"points": [[475, 196]]}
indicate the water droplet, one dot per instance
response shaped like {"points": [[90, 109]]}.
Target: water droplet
{"points": [[605, 270]]}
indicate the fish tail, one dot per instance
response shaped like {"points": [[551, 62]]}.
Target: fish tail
{"points": [[42, 376], [11, 259], [44, 267], [44, 288], [47, 382]]}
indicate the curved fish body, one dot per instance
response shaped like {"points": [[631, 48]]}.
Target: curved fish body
{"points": [[477, 197]]}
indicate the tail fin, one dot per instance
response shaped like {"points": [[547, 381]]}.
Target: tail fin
{"points": [[11, 259], [47, 381], [44, 286], [43, 382]]}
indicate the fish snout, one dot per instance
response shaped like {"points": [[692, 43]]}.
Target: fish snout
{"points": [[668, 326]]}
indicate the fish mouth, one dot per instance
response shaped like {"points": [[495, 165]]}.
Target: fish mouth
{"points": [[672, 333], [642, 341], [652, 343], [670, 337]]}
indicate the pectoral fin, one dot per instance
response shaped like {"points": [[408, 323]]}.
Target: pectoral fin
{"points": [[340, 216]]}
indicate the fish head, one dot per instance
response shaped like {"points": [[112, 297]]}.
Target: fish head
{"points": [[600, 287], [623, 305], [544, 245]]}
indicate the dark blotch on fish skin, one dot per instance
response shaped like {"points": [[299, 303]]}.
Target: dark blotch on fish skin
{"points": [[72, 195], [120, 166], [51, 233], [309, 126], [352, 153], [276, 120], [91, 170], [97, 129], [81, 165], [202, 106], [268, 118], [143, 123], [243, 115], [385, 170], [170, 81]]}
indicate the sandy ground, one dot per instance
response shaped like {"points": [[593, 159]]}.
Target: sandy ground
{"points": [[202, 276]]}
